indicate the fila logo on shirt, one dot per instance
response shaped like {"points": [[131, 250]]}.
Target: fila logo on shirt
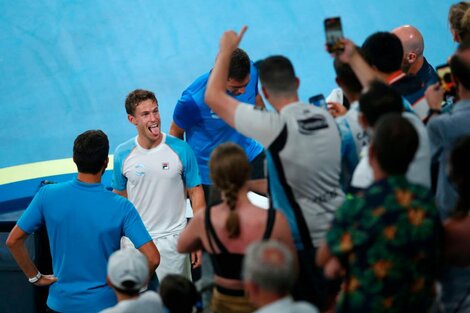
{"points": [[165, 166]]}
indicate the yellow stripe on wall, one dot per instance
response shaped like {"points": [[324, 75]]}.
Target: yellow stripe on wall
{"points": [[28, 171]]}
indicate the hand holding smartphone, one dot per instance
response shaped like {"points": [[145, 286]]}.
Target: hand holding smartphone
{"points": [[333, 33], [447, 82], [318, 101]]}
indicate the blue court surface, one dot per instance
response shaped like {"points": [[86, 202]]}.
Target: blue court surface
{"points": [[67, 66]]}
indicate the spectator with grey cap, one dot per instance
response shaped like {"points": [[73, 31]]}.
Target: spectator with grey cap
{"points": [[128, 273], [269, 274]]}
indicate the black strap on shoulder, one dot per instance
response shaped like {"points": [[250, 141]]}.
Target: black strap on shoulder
{"points": [[211, 234], [269, 224]]}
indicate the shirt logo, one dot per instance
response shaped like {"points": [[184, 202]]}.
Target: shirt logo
{"points": [[311, 124], [165, 166], [139, 170]]}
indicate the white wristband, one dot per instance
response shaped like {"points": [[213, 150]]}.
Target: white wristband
{"points": [[34, 279]]}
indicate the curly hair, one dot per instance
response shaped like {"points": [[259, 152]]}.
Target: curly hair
{"points": [[459, 19]]}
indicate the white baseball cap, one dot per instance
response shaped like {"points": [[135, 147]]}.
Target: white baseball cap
{"points": [[128, 269]]}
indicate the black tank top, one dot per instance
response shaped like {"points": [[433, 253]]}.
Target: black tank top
{"points": [[225, 263]]}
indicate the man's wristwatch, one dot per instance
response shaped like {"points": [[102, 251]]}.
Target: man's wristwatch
{"points": [[34, 279]]}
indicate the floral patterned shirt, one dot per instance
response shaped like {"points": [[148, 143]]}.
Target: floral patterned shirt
{"points": [[387, 240]]}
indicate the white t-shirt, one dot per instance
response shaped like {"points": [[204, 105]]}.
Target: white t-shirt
{"points": [[419, 171], [287, 305], [155, 180], [147, 302]]}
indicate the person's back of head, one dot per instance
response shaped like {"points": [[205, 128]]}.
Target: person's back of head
{"points": [[135, 97], [460, 174], [277, 75], [384, 51], [346, 78], [239, 65], [394, 143], [413, 47], [179, 295], [379, 100], [128, 271], [459, 20], [270, 266], [460, 65], [230, 170], [90, 151]]}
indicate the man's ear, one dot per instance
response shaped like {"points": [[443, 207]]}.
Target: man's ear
{"points": [[131, 119], [411, 57]]}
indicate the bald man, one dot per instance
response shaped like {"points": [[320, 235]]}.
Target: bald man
{"points": [[414, 63]]}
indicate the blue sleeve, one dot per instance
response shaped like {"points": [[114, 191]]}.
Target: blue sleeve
{"points": [[134, 228], [186, 113], [191, 177], [33, 217], [119, 181]]}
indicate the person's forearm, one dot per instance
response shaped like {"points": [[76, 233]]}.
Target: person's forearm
{"points": [[198, 201], [21, 255], [218, 79], [363, 70]]}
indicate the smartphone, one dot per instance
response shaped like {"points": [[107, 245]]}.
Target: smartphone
{"points": [[319, 101], [445, 79], [333, 33]]}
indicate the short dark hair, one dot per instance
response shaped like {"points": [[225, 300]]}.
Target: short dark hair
{"points": [[179, 295], [394, 142], [130, 288], [277, 74], [137, 96], [346, 75], [461, 68], [383, 50], [239, 67], [90, 151], [378, 100]]}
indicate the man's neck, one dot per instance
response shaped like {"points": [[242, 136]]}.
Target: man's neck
{"points": [[147, 144], [417, 65], [121, 297], [464, 94], [266, 298], [280, 102], [89, 178]]}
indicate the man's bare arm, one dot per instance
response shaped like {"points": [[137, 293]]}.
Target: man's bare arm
{"points": [[152, 254], [196, 195], [216, 97], [176, 131], [16, 243], [364, 72]]}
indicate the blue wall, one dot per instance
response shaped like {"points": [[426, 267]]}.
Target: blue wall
{"points": [[66, 66]]}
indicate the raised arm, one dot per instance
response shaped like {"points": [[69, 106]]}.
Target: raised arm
{"points": [[216, 96], [364, 72]]}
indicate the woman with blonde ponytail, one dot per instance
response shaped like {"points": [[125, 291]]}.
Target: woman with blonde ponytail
{"points": [[226, 229]]}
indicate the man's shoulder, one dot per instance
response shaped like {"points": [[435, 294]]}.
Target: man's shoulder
{"points": [[125, 147], [174, 142], [198, 85]]}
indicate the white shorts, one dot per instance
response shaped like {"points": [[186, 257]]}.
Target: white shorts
{"points": [[171, 262]]}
